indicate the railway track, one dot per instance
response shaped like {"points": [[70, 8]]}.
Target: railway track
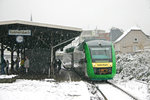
{"points": [[122, 90], [104, 94], [96, 93], [105, 98], [102, 87]]}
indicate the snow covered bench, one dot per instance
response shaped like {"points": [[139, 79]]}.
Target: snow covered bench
{"points": [[7, 78]]}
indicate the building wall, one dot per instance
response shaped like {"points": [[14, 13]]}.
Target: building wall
{"points": [[104, 36], [134, 41]]}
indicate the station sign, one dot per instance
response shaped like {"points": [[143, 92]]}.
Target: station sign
{"points": [[19, 32]]}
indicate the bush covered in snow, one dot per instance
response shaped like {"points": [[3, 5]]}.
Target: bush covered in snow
{"points": [[134, 66]]}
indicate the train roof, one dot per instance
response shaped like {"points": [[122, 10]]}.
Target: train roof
{"points": [[98, 43], [94, 43]]}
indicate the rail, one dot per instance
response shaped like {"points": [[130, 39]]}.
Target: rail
{"points": [[101, 93], [122, 90]]}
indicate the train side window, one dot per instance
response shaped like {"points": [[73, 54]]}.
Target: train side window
{"points": [[79, 58]]}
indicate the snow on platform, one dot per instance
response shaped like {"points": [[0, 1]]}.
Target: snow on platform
{"points": [[7, 76], [44, 90]]}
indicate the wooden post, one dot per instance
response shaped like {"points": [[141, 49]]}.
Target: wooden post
{"points": [[2, 56], [17, 53], [2, 50], [51, 69], [12, 61], [72, 60], [24, 51], [21, 54]]}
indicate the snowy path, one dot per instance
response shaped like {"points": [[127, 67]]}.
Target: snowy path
{"points": [[113, 93]]}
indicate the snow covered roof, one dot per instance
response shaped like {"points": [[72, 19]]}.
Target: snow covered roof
{"points": [[126, 32], [39, 24]]}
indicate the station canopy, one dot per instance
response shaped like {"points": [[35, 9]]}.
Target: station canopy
{"points": [[30, 35]]}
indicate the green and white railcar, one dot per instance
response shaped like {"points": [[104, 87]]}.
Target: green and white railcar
{"points": [[95, 59]]}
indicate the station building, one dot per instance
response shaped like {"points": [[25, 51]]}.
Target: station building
{"points": [[38, 41]]}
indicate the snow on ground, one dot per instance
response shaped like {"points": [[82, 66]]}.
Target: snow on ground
{"points": [[133, 71], [43, 90], [136, 88], [50, 89]]}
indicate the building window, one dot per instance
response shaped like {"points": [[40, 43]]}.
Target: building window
{"points": [[135, 40], [135, 48]]}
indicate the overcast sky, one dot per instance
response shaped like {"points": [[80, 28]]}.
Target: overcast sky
{"points": [[86, 14]]}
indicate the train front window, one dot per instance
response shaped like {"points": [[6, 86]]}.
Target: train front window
{"points": [[103, 53]]}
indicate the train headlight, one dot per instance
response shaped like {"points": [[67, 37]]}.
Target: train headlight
{"points": [[110, 64], [93, 64]]}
